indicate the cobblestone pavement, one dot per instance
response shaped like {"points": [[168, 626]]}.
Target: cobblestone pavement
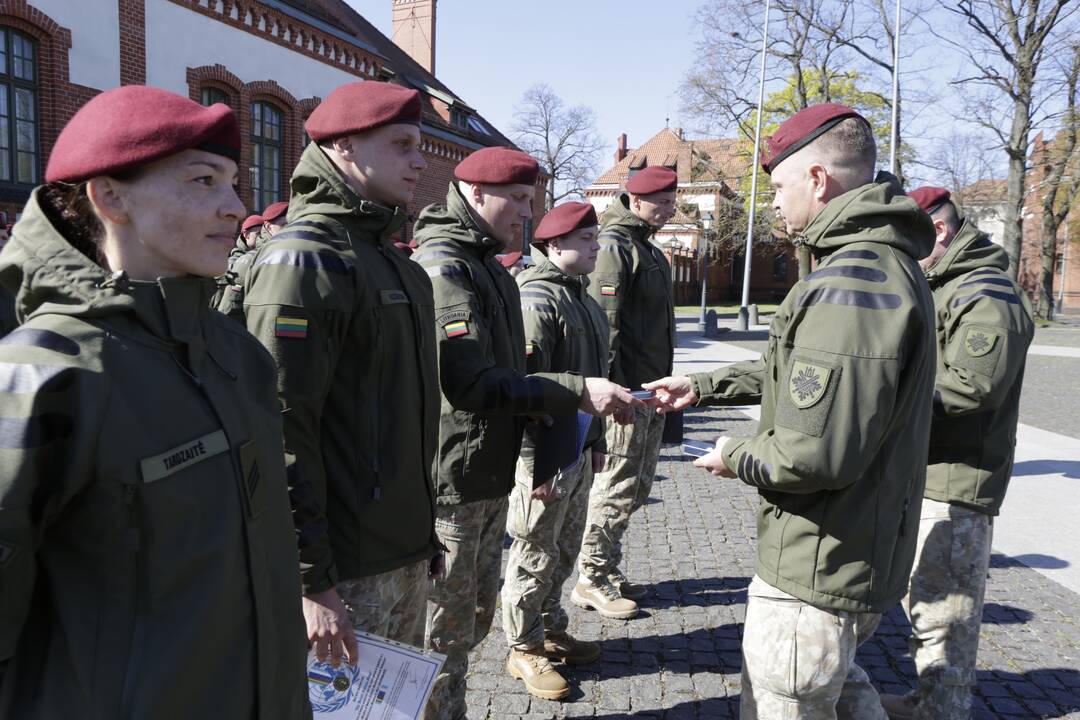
{"points": [[694, 544]]}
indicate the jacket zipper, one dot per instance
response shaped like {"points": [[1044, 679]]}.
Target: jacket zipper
{"points": [[138, 631]]}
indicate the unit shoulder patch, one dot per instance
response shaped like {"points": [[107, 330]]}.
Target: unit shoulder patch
{"points": [[978, 342], [290, 327], [807, 383], [609, 290]]}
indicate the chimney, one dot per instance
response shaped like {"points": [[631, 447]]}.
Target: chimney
{"points": [[620, 148], [414, 30], [678, 133]]}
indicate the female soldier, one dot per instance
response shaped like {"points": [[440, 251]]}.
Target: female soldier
{"points": [[148, 565]]}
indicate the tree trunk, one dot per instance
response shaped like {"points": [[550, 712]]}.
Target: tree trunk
{"points": [[1044, 306], [1013, 221]]}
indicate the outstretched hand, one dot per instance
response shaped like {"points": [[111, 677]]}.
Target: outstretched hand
{"points": [[672, 393], [602, 397]]}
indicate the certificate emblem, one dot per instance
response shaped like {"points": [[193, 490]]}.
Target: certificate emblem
{"points": [[330, 688]]}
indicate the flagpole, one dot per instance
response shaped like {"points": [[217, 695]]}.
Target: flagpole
{"points": [[893, 160], [743, 322]]}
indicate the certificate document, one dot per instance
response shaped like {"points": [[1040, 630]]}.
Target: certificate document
{"points": [[390, 681]]}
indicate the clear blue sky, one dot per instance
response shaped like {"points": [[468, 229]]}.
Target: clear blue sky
{"points": [[623, 58]]}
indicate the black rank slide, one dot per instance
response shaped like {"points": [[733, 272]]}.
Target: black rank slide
{"points": [[697, 449]]}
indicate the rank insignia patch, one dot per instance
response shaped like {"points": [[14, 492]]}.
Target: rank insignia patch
{"points": [[978, 342], [291, 327], [807, 383], [607, 289], [456, 329]]}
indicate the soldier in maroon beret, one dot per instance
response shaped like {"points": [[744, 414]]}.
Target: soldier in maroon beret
{"points": [[632, 283], [840, 455], [349, 319], [145, 532], [274, 218], [488, 395]]}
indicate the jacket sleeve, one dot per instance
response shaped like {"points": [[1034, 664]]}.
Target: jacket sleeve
{"points": [[608, 285], [737, 384], [468, 375], [542, 334], [984, 353], [288, 309], [51, 421], [833, 404]]}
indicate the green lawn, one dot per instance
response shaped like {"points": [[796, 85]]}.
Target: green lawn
{"points": [[724, 309]]}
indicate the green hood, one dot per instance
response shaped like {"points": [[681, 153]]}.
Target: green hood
{"points": [[319, 189], [47, 275], [618, 216], [453, 221], [546, 270], [971, 249], [878, 212]]}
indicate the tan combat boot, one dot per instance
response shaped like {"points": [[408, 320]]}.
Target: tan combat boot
{"points": [[535, 670], [629, 590], [568, 649], [898, 707], [604, 599]]}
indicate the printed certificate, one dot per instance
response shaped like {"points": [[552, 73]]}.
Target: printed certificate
{"points": [[390, 681]]}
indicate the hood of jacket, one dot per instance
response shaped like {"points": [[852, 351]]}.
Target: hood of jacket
{"points": [[877, 212], [971, 249], [548, 271], [453, 220], [47, 275], [618, 215], [318, 188]]}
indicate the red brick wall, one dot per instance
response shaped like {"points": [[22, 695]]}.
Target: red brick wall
{"points": [[58, 97], [132, 42]]}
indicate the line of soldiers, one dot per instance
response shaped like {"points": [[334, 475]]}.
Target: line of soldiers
{"points": [[150, 448]]}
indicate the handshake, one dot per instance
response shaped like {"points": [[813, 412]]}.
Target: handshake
{"points": [[602, 397]]}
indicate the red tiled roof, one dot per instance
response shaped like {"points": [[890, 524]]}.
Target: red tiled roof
{"points": [[983, 192], [717, 160]]}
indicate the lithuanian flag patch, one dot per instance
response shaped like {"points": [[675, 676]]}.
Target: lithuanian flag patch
{"points": [[456, 329], [607, 289], [291, 327]]}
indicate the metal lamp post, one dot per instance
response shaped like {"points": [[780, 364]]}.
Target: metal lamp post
{"points": [[706, 227], [743, 322]]}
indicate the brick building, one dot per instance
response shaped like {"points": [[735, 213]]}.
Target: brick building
{"points": [[270, 60], [710, 175]]}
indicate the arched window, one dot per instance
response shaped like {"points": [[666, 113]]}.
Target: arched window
{"points": [[265, 155], [18, 109], [211, 95], [779, 267]]}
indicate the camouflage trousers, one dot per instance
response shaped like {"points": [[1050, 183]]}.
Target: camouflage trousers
{"points": [[546, 539], [390, 604], [799, 660], [944, 604], [461, 606], [619, 490]]}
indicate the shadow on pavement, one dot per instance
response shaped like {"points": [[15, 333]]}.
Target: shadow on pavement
{"points": [[1068, 468], [705, 650], [1028, 560], [997, 614], [695, 592]]}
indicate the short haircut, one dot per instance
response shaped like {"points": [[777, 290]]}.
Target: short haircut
{"points": [[850, 150], [947, 213]]}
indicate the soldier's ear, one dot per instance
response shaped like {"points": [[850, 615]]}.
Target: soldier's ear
{"points": [[107, 200]]}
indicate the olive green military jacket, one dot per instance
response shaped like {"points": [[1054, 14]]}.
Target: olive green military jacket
{"points": [[147, 555], [229, 297], [349, 320], [632, 283], [845, 388], [984, 327], [487, 395], [565, 331]]}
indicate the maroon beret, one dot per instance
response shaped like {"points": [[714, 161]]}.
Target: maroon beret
{"points": [[803, 128], [652, 180], [564, 219], [363, 105], [129, 126], [930, 198], [275, 210], [498, 166], [251, 222], [509, 259]]}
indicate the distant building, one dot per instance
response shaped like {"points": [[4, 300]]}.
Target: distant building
{"points": [[710, 173], [272, 61], [1067, 252], [983, 201]]}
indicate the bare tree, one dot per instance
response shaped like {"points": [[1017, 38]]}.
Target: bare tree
{"points": [[1059, 157], [1009, 42], [564, 140], [959, 160]]}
